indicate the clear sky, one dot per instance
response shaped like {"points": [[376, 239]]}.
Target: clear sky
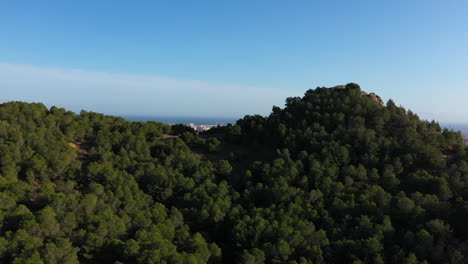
{"points": [[230, 58]]}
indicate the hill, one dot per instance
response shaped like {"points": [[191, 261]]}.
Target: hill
{"points": [[336, 176]]}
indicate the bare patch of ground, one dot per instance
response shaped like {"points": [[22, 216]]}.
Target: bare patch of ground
{"points": [[82, 148]]}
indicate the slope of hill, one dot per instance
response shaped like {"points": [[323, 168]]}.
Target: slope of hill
{"points": [[336, 176]]}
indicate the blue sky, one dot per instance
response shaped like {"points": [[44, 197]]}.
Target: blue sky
{"points": [[230, 58]]}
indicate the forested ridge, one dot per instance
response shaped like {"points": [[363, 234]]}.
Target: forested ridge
{"points": [[334, 176]]}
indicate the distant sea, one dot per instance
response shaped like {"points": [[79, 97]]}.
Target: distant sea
{"points": [[455, 126], [184, 120], [227, 120]]}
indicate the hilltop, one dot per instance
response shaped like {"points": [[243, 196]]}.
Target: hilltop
{"points": [[335, 176]]}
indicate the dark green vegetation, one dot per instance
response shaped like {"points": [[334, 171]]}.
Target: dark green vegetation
{"points": [[334, 177]]}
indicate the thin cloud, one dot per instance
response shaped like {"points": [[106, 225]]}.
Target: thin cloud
{"points": [[127, 94]]}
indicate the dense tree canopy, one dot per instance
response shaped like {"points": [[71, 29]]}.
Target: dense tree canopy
{"points": [[333, 177]]}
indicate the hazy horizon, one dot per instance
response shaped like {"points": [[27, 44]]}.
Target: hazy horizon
{"points": [[233, 59], [201, 120]]}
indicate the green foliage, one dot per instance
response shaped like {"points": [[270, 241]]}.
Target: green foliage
{"points": [[333, 177]]}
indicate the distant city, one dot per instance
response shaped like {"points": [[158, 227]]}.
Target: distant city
{"points": [[210, 121], [463, 128], [200, 124], [226, 120]]}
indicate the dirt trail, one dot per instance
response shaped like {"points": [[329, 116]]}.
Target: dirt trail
{"points": [[82, 147]]}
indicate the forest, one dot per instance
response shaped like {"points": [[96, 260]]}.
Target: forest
{"points": [[334, 176]]}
